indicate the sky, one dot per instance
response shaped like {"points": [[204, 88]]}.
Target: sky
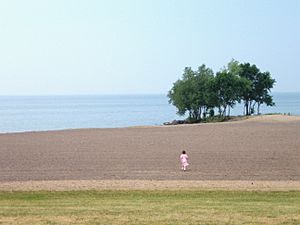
{"points": [[72, 47]]}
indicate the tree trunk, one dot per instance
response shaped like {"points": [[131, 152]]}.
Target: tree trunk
{"points": [[250, 108], [247, 107], [204, 112], [195, 116], [224, 111], [199, 115], [253, 107]]}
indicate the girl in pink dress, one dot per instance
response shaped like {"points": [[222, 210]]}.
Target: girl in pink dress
{"points": [[184, 160]]}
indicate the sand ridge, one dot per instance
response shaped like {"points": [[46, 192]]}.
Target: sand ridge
{"points": [[75, 185]]}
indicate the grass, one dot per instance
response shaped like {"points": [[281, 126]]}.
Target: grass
{"points": [[150, 207], [217, 119]]}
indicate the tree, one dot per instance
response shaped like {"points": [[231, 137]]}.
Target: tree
{"points": [[200, 92], [261, 84], [182, 94], [262, 89], [191, 93], [249, 72], [228, 87], [204, 77]]}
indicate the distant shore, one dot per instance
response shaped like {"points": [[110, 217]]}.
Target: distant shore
{"points": [[261, 148]]}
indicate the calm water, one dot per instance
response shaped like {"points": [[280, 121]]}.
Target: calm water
{"points": [[19, 114]]}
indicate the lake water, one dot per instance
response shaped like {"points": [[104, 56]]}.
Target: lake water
{"points": [[38, 113]]}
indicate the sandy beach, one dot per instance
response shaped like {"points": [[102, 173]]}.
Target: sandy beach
{"points": [[260, 149]]}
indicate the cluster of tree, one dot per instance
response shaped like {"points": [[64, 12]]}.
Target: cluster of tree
{"points": [[200, 92]]}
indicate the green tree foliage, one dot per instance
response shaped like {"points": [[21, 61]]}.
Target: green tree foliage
{"points": [[199, 92], [263, 87], [191, 93], [228, 88], [260, 86], [204, 79]]}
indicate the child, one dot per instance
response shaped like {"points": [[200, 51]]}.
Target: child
{"points": [[184, 160]]}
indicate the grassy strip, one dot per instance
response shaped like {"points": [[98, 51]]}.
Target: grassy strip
{"points": [[150, 207]]}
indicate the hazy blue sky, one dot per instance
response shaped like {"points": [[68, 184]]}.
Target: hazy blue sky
{"points": [[135, 46]]}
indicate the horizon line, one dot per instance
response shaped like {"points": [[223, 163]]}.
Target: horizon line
{"points": [[109, 94]]}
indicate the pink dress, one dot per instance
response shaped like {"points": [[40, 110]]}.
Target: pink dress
{"points": [[184, 160]]}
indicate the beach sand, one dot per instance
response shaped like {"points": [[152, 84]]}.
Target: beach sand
{"points": [[260, 152]]}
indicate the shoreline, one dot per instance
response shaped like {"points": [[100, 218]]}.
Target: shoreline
{"points": [[273, 117]]}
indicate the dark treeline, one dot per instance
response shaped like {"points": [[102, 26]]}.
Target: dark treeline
{"points": [[200, 92]]}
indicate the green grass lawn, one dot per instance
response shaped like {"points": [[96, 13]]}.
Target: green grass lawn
{"points": [[150, 207]]}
